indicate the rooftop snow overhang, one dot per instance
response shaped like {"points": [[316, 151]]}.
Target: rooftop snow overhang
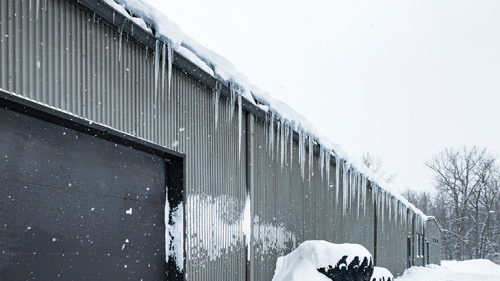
{"points": [[117, 20]]}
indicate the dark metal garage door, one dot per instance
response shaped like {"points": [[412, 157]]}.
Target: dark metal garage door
{"points": [[76, 207]]}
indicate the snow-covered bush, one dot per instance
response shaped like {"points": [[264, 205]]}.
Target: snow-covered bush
{"points": [[325, 261], [381, 274]]}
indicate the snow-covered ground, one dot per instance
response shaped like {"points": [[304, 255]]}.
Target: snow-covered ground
{"points": [[472, 270]]}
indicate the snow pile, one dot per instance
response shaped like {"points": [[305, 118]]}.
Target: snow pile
{"points": [[303, 263], [483, 270], [473, 266], [381, 274]]}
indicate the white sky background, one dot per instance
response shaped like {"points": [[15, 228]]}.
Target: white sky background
{"points": [[402, 79]]}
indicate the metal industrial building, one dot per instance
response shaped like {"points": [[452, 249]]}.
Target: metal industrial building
{"points": [[93, 128]]}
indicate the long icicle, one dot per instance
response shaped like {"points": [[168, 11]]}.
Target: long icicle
{"points": [[321, 161], [358, 187], [301, 153], [350, 190], [271, 134], [285, 137], [163, 62], [311, 154], [216, 96], [157, 67], [364, 195], [345, 187], [240, 117], [119, 43], [278, 141], [232, 100], [389, 205], [290, 131], [327, 162], [282, 144], [337, 175], [169, 70]]}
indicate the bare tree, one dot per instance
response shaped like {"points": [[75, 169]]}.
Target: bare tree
{"points": [[376, 164], [466, 180]]}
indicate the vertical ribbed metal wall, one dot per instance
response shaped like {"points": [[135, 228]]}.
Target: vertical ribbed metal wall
{"points": [[290, 209], [392, 236], [433, 236], [56, 54]]}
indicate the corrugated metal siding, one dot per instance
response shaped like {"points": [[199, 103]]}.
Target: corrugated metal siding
{"points": [[290, 209], [392, 237], [432, 233], [63, 57]]}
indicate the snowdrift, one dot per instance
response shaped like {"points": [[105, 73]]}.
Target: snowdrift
{"points": [[470, 270], [381, 274], [323, 261]]}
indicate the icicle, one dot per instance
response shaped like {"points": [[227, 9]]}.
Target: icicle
{"points": [[157, 66], [389, 205], [401, 213], [321, 161], [286, 131], [345, 187], [302, 152], [384, 197], [363, 183], [351, 193], [240, 117], [337, 175], [119, 44], [216, 96], [163, 62], [395, 211], [327, 163], [405, 212], [232, 100], [311, 154], [38, 5], [169, 68], [278, 142], [271, 134], [358, 187], [290, 131], [113, 16], [282, 144]]}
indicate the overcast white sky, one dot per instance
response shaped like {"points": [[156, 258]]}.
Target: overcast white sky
{"points": [[402, 79]]}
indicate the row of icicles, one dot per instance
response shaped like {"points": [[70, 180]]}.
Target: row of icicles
{"points": [[354, 184]]}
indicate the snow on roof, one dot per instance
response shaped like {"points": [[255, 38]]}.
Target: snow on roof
{"points": [[166, 30]]}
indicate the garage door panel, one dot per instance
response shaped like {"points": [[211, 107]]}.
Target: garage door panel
{"points": [[73, 205], [41, 152], [143, 222], [143, 182], [43, 219], [83, 266]]}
